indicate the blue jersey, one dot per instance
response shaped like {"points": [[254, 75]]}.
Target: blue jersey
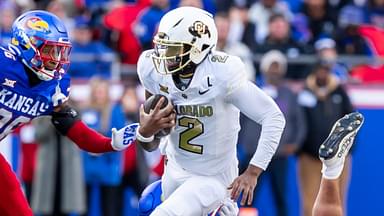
{"points": [[20, 102]]}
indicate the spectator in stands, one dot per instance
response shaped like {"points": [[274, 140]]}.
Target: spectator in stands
{"points": [[57, 7], [88, 57], [208, 5], [190, 3], [259, 15], [326, 51], [8, 15], [136, 170], [242, 29], [58, 185], [324, 101], [148, 21], [294, 5], [223, 24], [103, 171], [338, 5], [273, 67], [280, 38], [95, 5], [227, 5], [300, 30], [28, 157], [321, 18], [120, 20], [349, 40], [376, 12]]}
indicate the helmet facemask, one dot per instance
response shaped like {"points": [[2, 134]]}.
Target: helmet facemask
{"points": [[186, 36], [171, 57], [51, 58]]}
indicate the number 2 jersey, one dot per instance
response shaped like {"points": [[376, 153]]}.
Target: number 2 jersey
{"points": [[20, 102], [205, 137]]}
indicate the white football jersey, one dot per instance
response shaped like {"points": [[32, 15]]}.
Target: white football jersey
{"points": [[204, 139]]}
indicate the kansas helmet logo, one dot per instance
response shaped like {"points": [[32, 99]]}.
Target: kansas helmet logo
{"points": [[37, 24], [198, 29]]}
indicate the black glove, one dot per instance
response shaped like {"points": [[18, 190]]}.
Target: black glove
{"points": [[64, 119]]}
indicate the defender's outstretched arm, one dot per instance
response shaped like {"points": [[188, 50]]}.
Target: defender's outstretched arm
{"points": [[68, 123]]}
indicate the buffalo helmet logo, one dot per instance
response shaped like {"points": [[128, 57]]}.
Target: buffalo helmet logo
{"points": [[198, 29]]}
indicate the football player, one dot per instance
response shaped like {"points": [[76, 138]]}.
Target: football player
{"points": [[208, 90], [34, 83], [332, 153]]}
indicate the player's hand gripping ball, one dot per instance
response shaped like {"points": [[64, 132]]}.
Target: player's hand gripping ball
{"points": [[150, 104]]}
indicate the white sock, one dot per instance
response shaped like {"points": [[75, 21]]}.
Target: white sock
{"points": [[332, 171]]}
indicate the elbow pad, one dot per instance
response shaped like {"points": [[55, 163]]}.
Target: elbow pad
{"points": [[64, 119]]}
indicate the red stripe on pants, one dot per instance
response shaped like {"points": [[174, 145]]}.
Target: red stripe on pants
{"points": [[12, 199]]}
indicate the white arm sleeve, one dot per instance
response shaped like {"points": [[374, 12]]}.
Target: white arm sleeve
{"points": [[259, 107]]}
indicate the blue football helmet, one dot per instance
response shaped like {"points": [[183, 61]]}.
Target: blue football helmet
{"points": [[150, 198], [41, 41]]}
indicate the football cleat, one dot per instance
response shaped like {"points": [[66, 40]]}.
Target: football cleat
{"points": [[341, 138]]}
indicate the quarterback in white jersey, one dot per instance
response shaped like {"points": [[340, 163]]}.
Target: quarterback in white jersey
{"points": [[208, 90]]}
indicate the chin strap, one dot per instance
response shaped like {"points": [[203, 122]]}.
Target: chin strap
{"points": [[187, 71]]}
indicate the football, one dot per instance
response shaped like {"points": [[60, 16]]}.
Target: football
{"points": [[150, 104]]}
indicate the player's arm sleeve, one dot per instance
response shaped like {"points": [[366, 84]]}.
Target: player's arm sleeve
{"points": [[68, 123], [106, 58], [259, 107]]}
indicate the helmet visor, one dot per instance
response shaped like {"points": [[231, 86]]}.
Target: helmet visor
{"points": [[54, 56], [170, 57]]}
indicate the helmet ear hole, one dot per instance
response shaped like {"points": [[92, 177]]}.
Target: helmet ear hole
{"points": [[194, 54], [195, 51]]}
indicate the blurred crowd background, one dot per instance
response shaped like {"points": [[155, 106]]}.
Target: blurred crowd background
{"points": [[310, 56]]}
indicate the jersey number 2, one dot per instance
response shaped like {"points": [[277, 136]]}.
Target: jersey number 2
{"points": [[194, 129]]}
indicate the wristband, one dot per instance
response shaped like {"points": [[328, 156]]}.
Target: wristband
{"points": [[141, 138]]}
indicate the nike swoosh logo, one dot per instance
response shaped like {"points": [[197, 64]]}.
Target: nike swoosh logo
{"points": [[203, 92], [209, 85]]}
